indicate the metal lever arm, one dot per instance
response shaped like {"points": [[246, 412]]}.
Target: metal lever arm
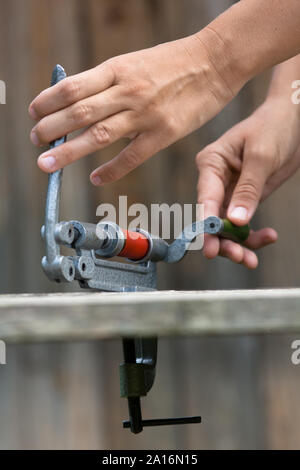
{"points": [[212, 225]]}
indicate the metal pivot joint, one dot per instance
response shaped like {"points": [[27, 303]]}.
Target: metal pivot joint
{"points": [[93, 267]]}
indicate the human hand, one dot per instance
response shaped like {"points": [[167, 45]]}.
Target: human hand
{"points": [[153, 97], [243, 168]]}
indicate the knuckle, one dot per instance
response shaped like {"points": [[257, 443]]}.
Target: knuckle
{"points": [[136, 90], [211, 158], [80, 113], [100, 134], [261, 153], [115, 62], [69, 89], [67, 155], [256, 152], [266, 157], [169, 124], [247, 190], [120, 66], [109, 63], [108, 67], [199, 158], [207, 155], [41, 131], [108, 173], [131, 158], [159, 117]]}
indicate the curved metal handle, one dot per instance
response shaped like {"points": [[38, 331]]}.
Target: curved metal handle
{"points": [[212, 225], [57, 267]]}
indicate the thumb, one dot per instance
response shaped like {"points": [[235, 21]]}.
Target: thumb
{"points": [[248, 191]]}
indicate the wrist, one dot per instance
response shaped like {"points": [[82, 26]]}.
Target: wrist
{"points": [[283, 104], [220, 60], [248, 37], [230, 46], [281, 88]]}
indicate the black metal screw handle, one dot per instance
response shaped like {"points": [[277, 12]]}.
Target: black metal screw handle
{"points": [[165, 421]]}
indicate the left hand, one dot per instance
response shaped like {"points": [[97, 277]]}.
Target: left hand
{"points": [[243, 168]]}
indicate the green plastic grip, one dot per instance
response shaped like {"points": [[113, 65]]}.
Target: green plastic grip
{"points": [[235, 233]]}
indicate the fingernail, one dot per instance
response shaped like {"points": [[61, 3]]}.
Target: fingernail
{"points": [[96, 180], [34, 138], [240, 213], [32, 113], [48, 162]]}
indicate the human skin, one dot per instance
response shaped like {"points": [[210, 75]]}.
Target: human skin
{"points": [[249, 162], [159, 95]]}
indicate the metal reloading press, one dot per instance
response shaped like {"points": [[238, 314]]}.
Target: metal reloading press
{"points": [[91, 266]]}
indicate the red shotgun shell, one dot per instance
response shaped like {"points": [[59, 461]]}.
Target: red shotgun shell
{"points": [[136, 245]]}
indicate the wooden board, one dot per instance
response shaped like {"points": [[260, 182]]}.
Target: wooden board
{"points": [[36, 317]]}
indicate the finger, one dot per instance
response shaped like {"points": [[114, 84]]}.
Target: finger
{"points": [[248, 190], [81, 114], [238, 254], [211, 246], [138, 151], [98, 136], [232, 251], [242, 255], [261, 238], [211, 193], [250, 259], [72, 89]]}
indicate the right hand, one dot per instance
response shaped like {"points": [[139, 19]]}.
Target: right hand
{"points": [[154, 97], [243, 168]]}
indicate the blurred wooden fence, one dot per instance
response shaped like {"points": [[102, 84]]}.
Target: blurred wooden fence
{"points": [[67, 395]]}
